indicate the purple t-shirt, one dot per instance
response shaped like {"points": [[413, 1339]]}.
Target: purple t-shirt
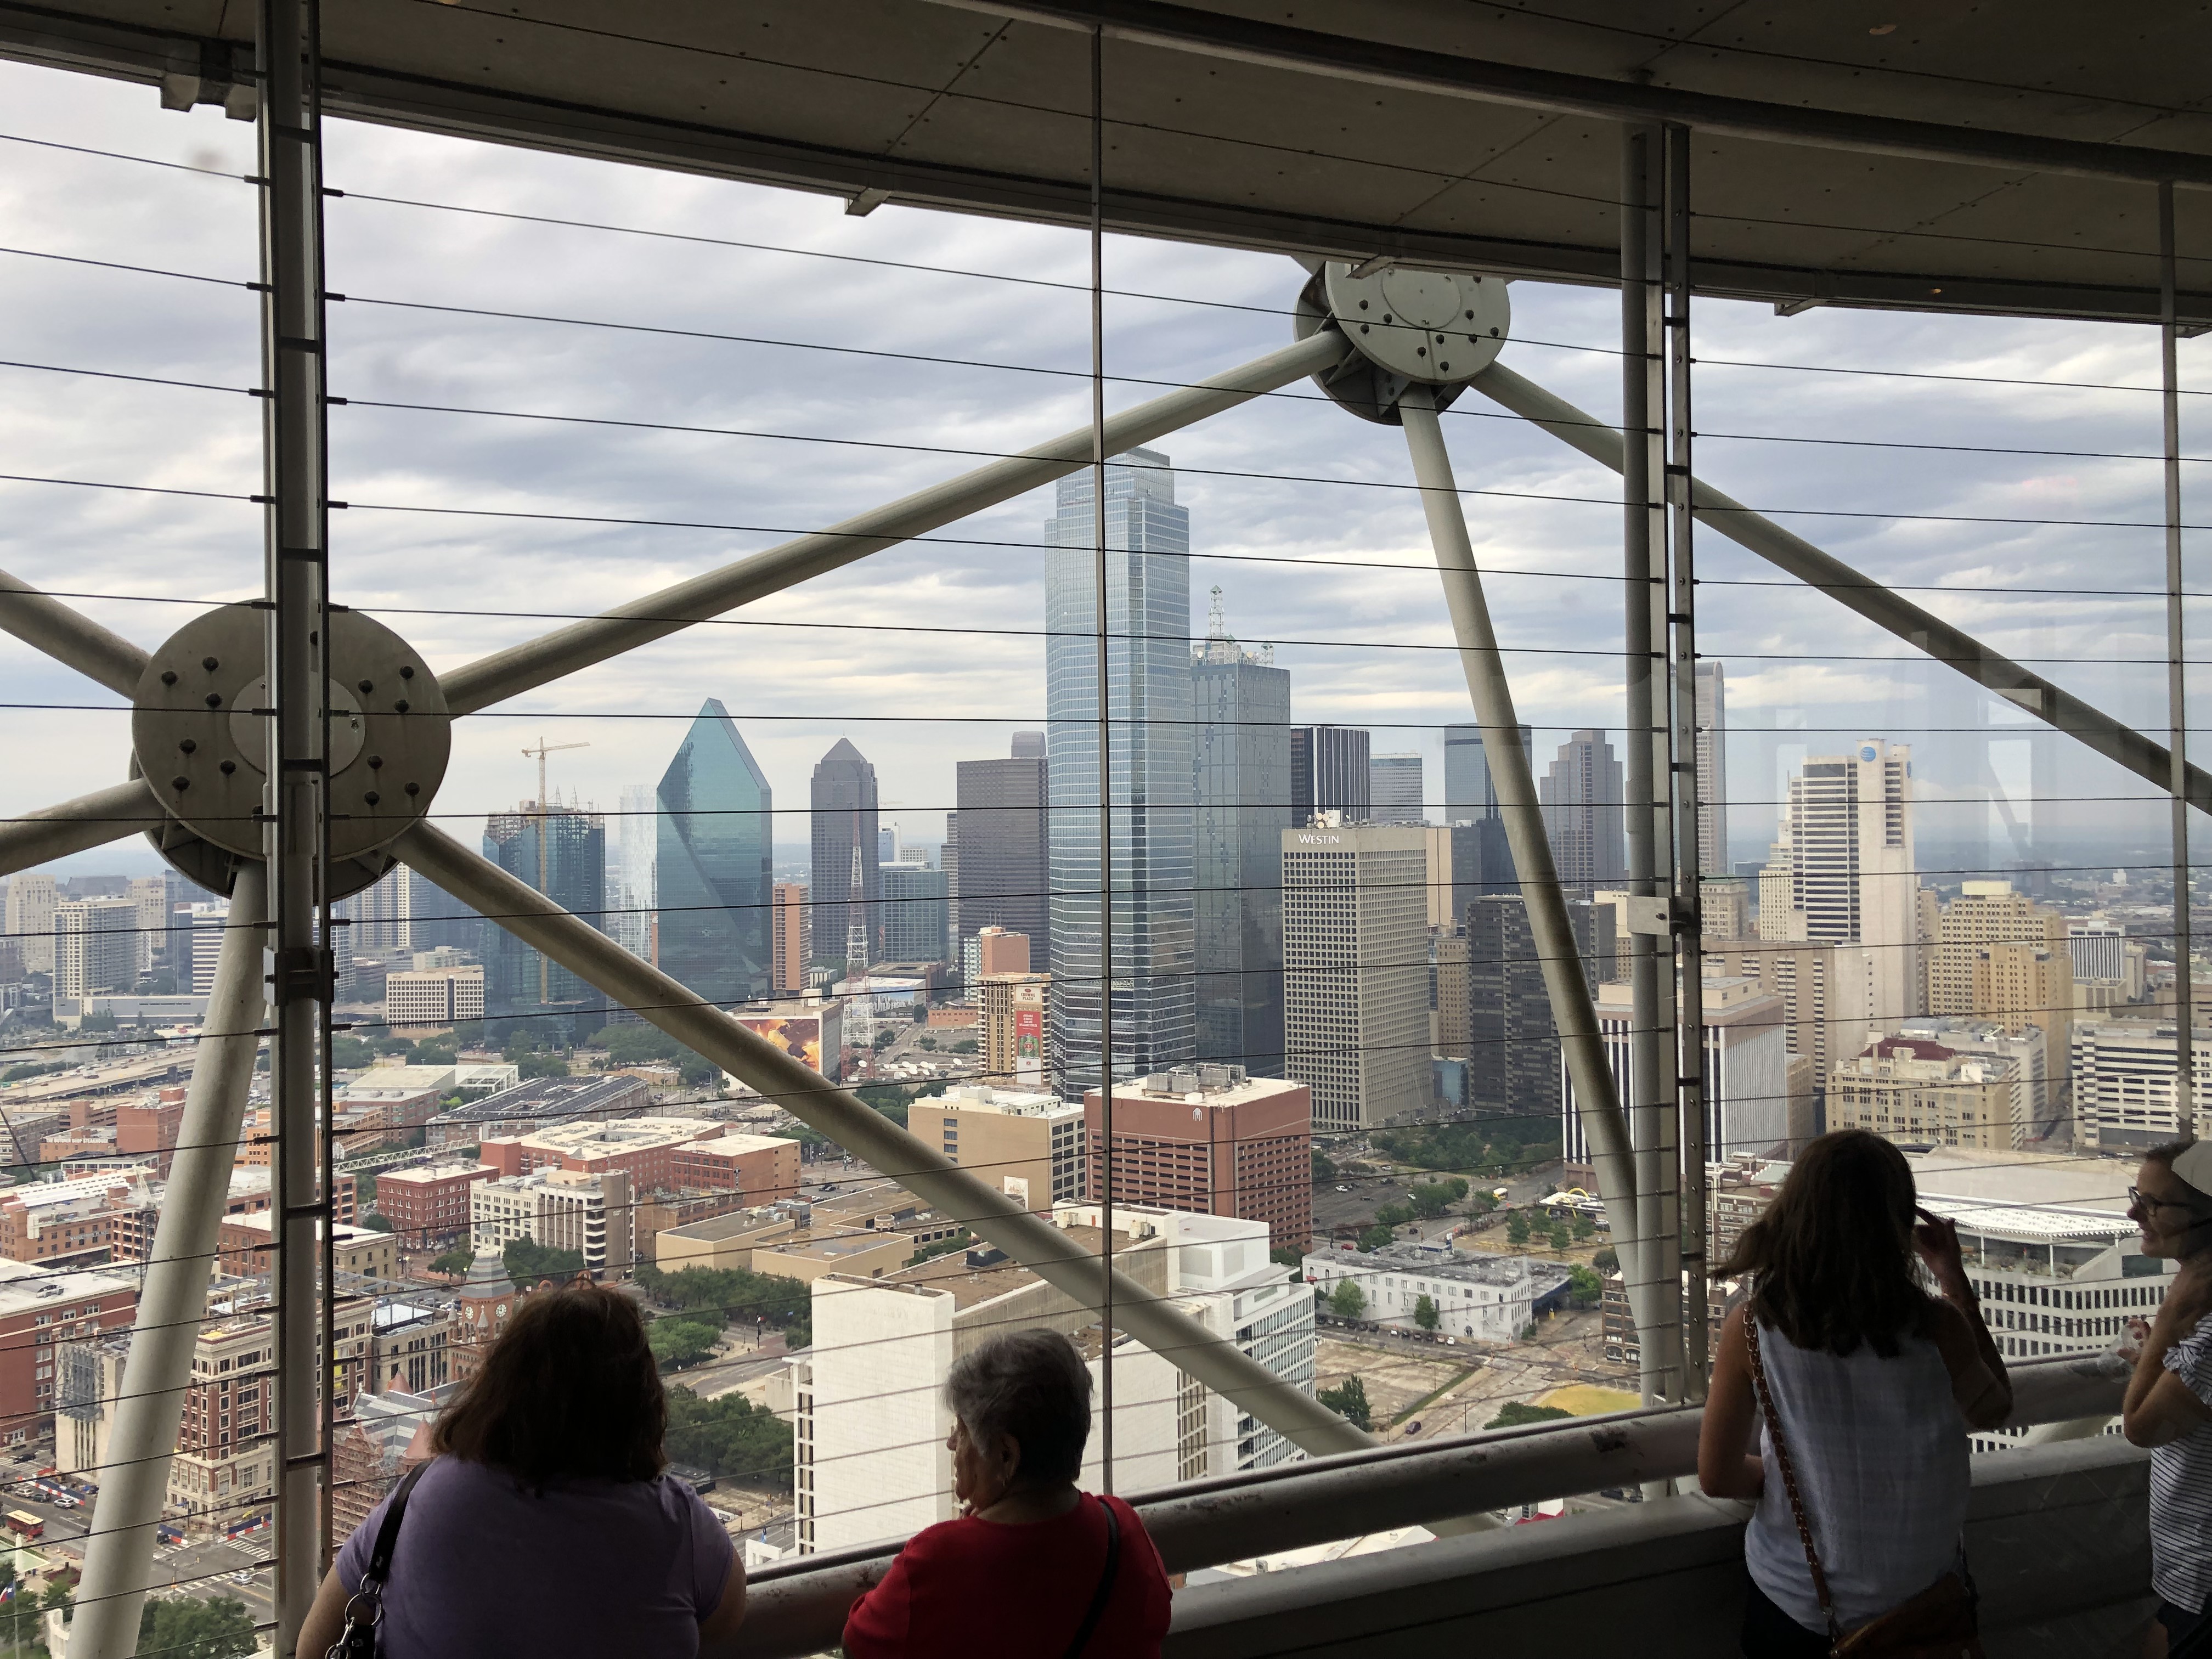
{"points": [[486, 1565]]}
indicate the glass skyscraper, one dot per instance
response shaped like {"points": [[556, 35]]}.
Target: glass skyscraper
{"points": [[572, 872], [712, 867], [1150, 748], [1241, 790]]}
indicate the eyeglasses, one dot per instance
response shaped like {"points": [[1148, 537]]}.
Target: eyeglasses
{"points": [[2138, 1199]]}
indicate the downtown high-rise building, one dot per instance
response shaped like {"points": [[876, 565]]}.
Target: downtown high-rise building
{"points": [[1331, 771], [1356, 971], [842, 808], [792, 939], [1241, 782], [1470, 791], [1003, 879], [714, 869], [404, 910], [1712, 770], [95, 950], [1148, 784], [1842, 871], [562, 851], [912, 900], [33, 897], [1394, 789], [1512, 1043], [633, 852], [1584, 817]]}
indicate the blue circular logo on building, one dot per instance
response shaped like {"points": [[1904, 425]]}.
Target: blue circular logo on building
{"points": [[1867, 752]]}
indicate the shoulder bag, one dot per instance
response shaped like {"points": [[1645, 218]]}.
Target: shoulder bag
{"points": [[1939, 1622], [364, 1609], [1104, 1593]]}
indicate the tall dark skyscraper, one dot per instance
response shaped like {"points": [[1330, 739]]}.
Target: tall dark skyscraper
{"points": [[714, 869], [1583, 816], [1513, 1047], [1154, 997], [843, 806], [1329, 773], [1241, 782], [1470, 793], [573, 872], [1005, 879]]}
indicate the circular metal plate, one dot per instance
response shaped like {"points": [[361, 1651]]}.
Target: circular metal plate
{"points": [[1359, 385], [1434, 326], [199, 732]]}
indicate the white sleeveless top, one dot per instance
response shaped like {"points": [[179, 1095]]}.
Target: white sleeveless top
{"points": [[1880, 1450]]}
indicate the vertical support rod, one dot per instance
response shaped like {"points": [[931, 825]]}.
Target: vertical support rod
{"points": [[1650, 1257], [297, 544], [1574, 1013], [1105, 757], [135, 1478], [2177, 689], [1688, 908]]}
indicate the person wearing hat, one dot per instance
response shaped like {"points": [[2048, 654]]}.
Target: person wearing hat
{"points": [[2169, 1400]]}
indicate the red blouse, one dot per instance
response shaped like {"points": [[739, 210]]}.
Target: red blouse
{"points": [[983, 1589]]}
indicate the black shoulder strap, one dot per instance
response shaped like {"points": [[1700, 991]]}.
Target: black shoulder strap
{"points": [[387, 1535], [1099, 1597]]}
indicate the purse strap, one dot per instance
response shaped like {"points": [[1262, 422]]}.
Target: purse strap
{"points": [[364, 1609], [1789, 1474], [1099, 1596]]}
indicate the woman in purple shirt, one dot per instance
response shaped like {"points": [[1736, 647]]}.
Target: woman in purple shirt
{"points": [[545, 1527]]}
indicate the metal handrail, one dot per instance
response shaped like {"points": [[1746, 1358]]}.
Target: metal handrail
{"points": [[799, 1606]]}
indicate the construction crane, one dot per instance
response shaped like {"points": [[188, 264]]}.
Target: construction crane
{"points": [[543, 749]]}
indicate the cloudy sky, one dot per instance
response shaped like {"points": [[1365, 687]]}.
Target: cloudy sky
{"points": [[474, 528]]}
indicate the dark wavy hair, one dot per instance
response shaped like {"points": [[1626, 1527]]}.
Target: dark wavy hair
{"points": [[570, 1389], [1831, 1259]]}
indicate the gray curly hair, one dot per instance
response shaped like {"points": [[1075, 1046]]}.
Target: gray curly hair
{"points": [[1034, 1386]]}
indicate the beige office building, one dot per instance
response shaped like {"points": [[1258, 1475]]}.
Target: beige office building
{"points": [[1998, 954], [1027, 1144], [1016, 1026], [31, 901], [1922, 1092]]}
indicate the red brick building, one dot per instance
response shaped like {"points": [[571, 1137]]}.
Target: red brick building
{"points": [[39, 1309], [428, 1203], [1209, 1138], [150, 1125], [750, 1169]]}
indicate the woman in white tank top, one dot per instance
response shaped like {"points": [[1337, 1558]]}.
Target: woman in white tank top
{"points": [[1875, 1382]]}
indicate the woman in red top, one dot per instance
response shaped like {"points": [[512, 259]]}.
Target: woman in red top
{"points": [[1024, 1573]]}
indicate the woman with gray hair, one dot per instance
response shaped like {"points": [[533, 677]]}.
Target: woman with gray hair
{"points": [[1033, 1569]]}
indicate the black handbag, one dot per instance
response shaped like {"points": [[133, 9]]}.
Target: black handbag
{"points": [[364, 1609]]}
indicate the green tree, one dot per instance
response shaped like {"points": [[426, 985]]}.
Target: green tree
{"points": [[537, 1065], [526, 1261], [1348, 1300], [884, 1039], [183, 1627], [350, 1053], [434, 1051], [635, 1045], [697, 1074], [1607, 1260], [1348, 1400], [965, 1046], [1517, 1228], [1515, 1412], [1584, 1227], [1375, 1238], [1324, 1167], [1562, 1237], [1425, 1313], [733, 1296], [1287, 1255], [377, 1224], [677, 1341], [1394, 1215], [1584, 1288], [453, 1261], [889, 1098], [941, 1247], [729, 1436], [929, 1042]]}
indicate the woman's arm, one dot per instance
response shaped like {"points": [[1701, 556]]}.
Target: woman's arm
{"points": [[326, 1619], [1979, 1382], [2161, 1406], [718, 1627], [1727, 1467]]}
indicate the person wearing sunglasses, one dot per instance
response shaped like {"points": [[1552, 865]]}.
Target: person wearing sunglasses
{"points": [[2168, 1406]]}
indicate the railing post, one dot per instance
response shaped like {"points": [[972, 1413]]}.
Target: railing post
{"points": [[296, 549], [2177, 688]]}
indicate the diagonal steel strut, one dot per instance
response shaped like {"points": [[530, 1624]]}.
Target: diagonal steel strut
{"points": [[1573, 1013], [70, 636], [1919, 628], [1044, 1249], [134, 1477], [76, 826], [521, 668]]}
